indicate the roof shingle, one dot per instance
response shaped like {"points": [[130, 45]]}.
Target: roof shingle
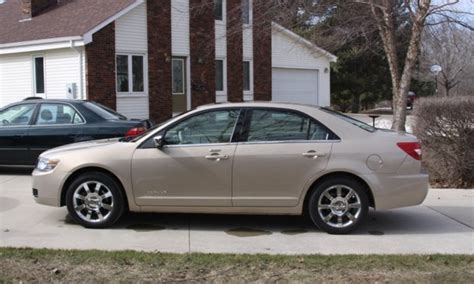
{"points": [[67, 19]]}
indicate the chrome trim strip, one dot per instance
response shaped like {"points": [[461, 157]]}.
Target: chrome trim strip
{"points": [[254, 143]]}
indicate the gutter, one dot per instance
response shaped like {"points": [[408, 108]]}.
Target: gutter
{"points": [[81, 67]]}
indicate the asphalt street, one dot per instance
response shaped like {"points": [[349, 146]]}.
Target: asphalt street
{"points": [[443, 224]]}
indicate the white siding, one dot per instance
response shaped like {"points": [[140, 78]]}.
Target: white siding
{"points": [[16, 78], [221, 50], [180, 27], [288, 53], [131, 31], [61, 67], [221, 40], [131, 37], [248, 42], [133, 107]]}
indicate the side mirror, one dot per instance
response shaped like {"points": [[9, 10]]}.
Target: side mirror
{"points": [[159, 141]]}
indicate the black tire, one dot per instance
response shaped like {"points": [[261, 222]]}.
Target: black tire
{"points": [[115, 201], [358, 214]]}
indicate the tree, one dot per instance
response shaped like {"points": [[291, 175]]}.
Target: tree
{"points": [[388, 17], [451, 47]]}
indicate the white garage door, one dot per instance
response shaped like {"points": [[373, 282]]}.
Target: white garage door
{"points": [[295, 85]]}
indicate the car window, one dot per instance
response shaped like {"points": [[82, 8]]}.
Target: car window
{"points": [[278, 125], [58, 114], [17, 115], [206, 128], [350, 120]]}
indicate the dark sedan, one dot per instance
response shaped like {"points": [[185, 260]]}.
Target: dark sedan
{"points": [[33, 126]]}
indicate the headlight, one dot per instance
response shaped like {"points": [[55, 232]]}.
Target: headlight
{"points": [[46, 165]]}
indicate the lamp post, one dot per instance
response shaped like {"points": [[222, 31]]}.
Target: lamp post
{"points": [[435, 69]]}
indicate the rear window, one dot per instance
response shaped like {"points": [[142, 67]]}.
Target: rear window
{"points": [[349, 119], [104, 112]]}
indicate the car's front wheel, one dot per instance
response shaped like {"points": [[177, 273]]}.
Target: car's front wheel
{"points": [[338, 205], [95, 200]]}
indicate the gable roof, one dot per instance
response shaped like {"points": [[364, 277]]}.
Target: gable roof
{"points": [[301, 40], [67, 19]]}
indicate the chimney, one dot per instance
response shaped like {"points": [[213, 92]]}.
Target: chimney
{"points": [[32, 8]]}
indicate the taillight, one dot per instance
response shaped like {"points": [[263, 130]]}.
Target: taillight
{"points": [[411, 148], [135, 131]]}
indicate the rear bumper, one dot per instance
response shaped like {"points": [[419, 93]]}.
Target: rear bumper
{"points": [[395, 191], [47, 187]]}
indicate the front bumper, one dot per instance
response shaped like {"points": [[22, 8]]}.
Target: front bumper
{"points": [[395, 191], [47, 187]]}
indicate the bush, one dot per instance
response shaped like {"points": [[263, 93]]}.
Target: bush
{"points": [[445, 127]]}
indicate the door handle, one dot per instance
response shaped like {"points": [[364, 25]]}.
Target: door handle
{"points": [[216, 157], [313, 154]]}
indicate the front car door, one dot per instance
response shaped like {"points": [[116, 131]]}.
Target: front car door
{"points": [[280, 151], [14, 124], [193, 168], [56, 124]]}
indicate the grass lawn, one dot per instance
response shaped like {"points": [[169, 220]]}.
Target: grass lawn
{"points": [[32, 265]]}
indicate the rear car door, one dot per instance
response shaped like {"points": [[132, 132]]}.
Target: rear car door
{"points": [[56, 124], [14, 124], [279, 152]]}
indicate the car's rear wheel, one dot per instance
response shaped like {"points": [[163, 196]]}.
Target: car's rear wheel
{"points": [[338, 205], [95, 200]]}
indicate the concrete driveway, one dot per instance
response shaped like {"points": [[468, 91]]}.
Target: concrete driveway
{"points": [[444, 224]]}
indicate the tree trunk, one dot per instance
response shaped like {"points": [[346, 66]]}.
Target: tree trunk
{"points": [[400, 107], [386, 25]]}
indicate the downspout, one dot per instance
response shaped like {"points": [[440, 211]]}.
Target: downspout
{"points": [[81, 72]]}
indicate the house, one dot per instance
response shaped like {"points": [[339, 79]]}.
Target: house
{"points": [[155, 58]]}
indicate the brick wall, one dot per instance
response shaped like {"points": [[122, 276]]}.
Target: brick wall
{"points": [[234, 52], [100, 70], [159, 59], [203, 50], [262, 50]]}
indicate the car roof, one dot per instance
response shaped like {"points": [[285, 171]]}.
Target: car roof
{"points": [[52, 100], [259, 104]]}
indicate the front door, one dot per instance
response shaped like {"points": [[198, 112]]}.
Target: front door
{"points": [[282, 150], [193, 168], [180, 100]]}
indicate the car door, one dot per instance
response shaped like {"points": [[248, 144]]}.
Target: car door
{"points": [[281, 150], [14, 124], [193, 168], [56, 124]]}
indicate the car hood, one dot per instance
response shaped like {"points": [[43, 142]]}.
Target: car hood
{"points": [[82, 146]]}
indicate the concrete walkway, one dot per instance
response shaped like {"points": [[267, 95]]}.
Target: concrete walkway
{"points": [[444, 224]]}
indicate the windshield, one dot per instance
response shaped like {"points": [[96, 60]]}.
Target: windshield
{"points": [[349, 119], [104, 112]]}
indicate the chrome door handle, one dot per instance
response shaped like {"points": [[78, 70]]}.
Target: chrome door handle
{"points": [[217, 157], [313, 154]]}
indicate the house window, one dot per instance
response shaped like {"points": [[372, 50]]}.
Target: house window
{"points": [[247, 76], [219, 75], [130, 73], [179, 80], [122, 73], [219, 10], [138, 70], [39, 75], [246, 12]]}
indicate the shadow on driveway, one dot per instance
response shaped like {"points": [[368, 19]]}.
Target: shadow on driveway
{"points": [[412, 221]]}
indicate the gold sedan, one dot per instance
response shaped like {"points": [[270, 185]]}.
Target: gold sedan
{"points": [[246, 158]]}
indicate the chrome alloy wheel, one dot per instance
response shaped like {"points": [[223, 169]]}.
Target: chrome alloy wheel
{"points": [[339, 206], [93, 201]]}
